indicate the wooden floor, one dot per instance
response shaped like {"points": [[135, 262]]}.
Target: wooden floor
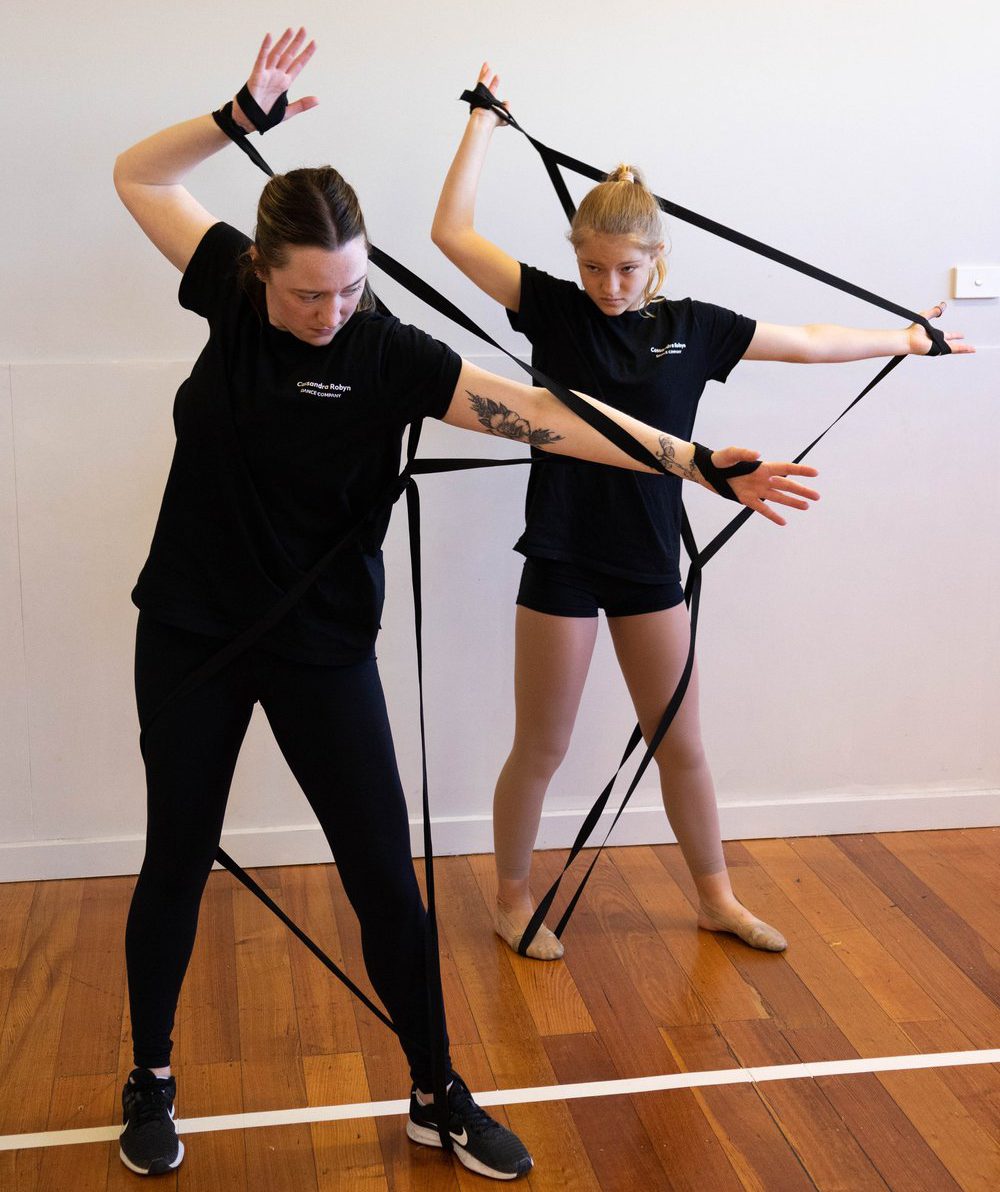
{"points": [[893, 951]]}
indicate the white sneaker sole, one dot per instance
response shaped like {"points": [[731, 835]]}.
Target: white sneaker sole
{"points": [[428, 1137]]}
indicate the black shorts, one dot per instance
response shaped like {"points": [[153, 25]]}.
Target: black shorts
{"points": [[565, 590]]}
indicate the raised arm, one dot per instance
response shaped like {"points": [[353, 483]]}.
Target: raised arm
{"points": [[149, 177], [828, 343], [495, 406], [453, 230]]}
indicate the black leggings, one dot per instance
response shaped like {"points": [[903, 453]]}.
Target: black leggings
{"points": [[331, 725]]}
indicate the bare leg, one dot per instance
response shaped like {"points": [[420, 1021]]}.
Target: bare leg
{"points": [[551, 659], [651, 650]]}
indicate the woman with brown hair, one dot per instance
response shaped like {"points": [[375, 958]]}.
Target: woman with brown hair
{"points": [[288, 430]]}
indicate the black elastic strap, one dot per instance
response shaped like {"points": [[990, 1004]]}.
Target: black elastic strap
{"points": [[552, 160], [482, 97], [224, 119], [261, 120], [420, 289], [719, 478]]}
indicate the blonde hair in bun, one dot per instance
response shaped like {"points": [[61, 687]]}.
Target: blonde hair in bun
{"points": [[622, 205]]}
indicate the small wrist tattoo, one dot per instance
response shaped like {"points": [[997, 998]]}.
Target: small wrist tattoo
{"points": [[667, 455]]}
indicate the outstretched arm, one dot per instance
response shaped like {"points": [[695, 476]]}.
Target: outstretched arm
{"points": [[149, 176], [828, 343], [453, 230], [495, 406]]}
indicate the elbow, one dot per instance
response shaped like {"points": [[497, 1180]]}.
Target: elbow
{"points": [[443, 237], [120, 174]]}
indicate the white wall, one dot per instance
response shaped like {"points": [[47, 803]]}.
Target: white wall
{"points": [[849, 661]]}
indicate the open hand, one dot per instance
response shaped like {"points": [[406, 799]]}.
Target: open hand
{"points": [[769, 482], [920, 341], [277, 67]]}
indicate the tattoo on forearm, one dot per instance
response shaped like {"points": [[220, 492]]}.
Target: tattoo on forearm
{"points": [[667, 455], [508, 424]]}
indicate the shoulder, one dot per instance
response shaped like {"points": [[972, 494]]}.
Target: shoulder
{"points": [[214, 267], [544, 299]]}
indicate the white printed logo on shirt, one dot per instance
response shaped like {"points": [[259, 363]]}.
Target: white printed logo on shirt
{"points": [[323, 389], [673, 349]]}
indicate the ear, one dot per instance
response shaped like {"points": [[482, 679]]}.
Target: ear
{"points": [[259, 271]]}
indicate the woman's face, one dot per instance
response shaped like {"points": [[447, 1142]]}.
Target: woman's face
{"points": [[614, 270], [317, 290]]}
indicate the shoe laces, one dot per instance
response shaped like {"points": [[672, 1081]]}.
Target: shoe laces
{"points": [[148, 1103], [472, 1116]]}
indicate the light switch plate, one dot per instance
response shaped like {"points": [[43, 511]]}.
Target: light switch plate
{"points": [[975, 281]]}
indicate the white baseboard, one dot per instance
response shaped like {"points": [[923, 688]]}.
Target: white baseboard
{"points": [[39, 860]]}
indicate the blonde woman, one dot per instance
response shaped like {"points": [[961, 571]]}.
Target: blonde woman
{"points": [[600, 538]]}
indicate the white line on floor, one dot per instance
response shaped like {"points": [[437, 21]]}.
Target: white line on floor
{"points": [[550, 1092]]}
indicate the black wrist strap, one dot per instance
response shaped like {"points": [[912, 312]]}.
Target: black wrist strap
{"points": [[482, 97], [719, 478], [261, 120], [224, 119]]}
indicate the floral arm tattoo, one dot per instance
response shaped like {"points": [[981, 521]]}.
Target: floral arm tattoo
{"points": [[508, 424], [667, 455]]}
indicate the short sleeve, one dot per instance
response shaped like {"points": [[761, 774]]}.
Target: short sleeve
{"points": [[420, 372], [542, 298], [725, 336], [210, 280]]}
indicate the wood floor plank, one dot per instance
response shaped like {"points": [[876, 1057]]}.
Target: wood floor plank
{"points": [[977, 1086], [549, 993], [462, 1027], [271, 1068], [29, 1043], [78, 1101], [635, 1047], [968, 882], [215, 1159], [895, 1144], [614, 1003], [758, 1151], [15, 907], [323, 1004], [88, 1041], [964, 1148], [657, 978], [207, 1025], [899, 995], [843, 997], [722, 990], [348, 1156], [834, 1159], [620, 1151], [978, 959], [784, 995], [934, 971]]}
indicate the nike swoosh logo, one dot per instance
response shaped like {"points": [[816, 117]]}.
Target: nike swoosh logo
{"points": [[461, 1139]]}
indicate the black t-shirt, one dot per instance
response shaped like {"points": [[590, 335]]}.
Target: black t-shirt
{"points": [[281, 446], [652, 364]]}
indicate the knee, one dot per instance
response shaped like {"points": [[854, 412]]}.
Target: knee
{"points": [[537, 759], [685, 752]]}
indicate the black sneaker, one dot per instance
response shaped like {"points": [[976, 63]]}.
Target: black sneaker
{"points": [[482, 1145], [148, 1144]]}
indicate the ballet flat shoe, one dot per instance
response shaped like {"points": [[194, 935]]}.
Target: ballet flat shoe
{"points": [[758, 935], [545, 945]]}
